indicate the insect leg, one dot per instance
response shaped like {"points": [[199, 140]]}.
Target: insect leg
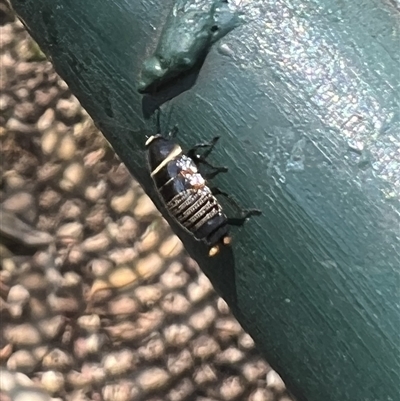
{"points": [[158, 120], [192, 153], [211, 175], [216, 170], [202, 159], [244, 213]]}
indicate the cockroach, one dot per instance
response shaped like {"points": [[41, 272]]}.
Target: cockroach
{"points": [[186, 193]]}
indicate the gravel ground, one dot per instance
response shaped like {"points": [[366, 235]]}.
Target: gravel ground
{"points": [[99, 301]]}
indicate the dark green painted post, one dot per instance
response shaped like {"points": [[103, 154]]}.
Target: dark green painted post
{"points": [[305, 95]]}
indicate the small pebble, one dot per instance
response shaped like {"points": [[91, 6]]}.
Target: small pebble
{"points": [[62, 85], [178, 335], [121, 277], [23, 334], [45, 97], [18, 295], [204, 347], [24, 69], [123, 203], [227, 329], [149, 241], [203, 319], [178, 364], [117, 363], [19, 202], [262, 394], [123, 305], [45, 122], [205, 374], [14, 125], [40, 351], [149, 321], [52, 327], [96, 244], [123, 331], [94, 371], [48, 171], [68, 110], [175, 303], [22, 361], [72, 209], [52, 381], [197, 291], [49, 140], [13, 180], [153, 379], [66, 148], [122, 256], [8, 380], [127, 230], [93, 193], [100, 267], [174, 277], [89, 323], [71, 230], [275, 382], [246, 342], [230, 356], [57, 359], [231, 388], [64, 305], [5, 352], [223, 307], [97, 219], [6, 101], [49, 199], [48, 222], [122, 391], [119, 176], [78, 380], [254, 370], [7, 36], [149, 266], [30, 394], [153, 349], [90, 345], [32, 84], [75, 255], [38, 308], [181, 391], [149, 295], [27, 111], [94, 157], [144, 208], [171, 247], [72, 177]]}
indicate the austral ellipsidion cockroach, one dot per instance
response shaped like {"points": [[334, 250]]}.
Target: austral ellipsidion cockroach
{"points": [[185, 192]]}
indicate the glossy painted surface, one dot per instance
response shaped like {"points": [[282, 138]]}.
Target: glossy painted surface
{"points": [[305, 96]]}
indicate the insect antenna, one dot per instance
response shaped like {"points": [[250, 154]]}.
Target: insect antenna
{"points": [[157, 113]]}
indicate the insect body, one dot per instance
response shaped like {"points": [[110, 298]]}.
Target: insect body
{"points": [[185, 192]]}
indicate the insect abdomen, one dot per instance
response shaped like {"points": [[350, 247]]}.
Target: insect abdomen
{"points": [[200, 213]]}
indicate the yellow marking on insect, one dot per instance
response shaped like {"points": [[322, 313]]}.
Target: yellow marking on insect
{"points": [[213, 251], [150, 140], [227, 240], [176, 151]]}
